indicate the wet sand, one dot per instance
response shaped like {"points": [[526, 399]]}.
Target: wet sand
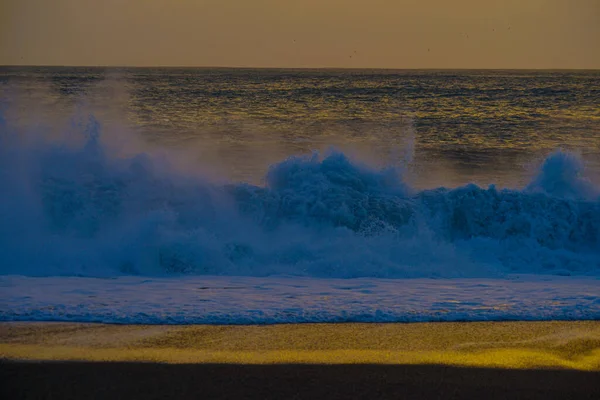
{"points": [[429, 360]]}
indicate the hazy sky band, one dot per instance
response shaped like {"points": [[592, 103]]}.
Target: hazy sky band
{"points": [[304, 33]]}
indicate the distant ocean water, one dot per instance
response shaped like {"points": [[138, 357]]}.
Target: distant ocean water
{"points": [[469, 126], [181, 184]]}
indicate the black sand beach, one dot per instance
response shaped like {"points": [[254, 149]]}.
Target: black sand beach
{"points": [[103, 380]]}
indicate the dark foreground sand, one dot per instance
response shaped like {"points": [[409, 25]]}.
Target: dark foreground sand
{"points": [[432, 360]]}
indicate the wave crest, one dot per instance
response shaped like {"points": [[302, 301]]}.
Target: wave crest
{"points": [[80, 209]]}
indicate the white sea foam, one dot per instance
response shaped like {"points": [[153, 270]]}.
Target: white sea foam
{"points": [[80, 207], [277, 299]]}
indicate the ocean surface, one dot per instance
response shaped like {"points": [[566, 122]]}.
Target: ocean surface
{"points": [[166, 195]]}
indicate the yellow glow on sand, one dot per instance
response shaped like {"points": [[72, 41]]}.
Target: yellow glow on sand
{"points": [[502, 358], [521, 345]]}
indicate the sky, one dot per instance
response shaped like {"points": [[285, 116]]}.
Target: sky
{"points": [[302, 33]]}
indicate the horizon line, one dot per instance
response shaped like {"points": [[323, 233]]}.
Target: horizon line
{"points": [[294, 68]]}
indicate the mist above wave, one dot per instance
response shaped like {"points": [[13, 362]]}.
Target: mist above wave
{"points": [[78, 207]]}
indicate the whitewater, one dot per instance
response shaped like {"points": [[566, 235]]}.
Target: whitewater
{"points": [[95, 228], [326, 239]]}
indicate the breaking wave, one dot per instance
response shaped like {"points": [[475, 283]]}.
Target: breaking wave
{"points": [[83, 209]]}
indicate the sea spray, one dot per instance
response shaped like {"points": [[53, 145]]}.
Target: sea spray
{"points": [[81, 208]]}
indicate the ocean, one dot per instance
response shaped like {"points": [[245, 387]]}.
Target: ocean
{"points": [[188, 195]]}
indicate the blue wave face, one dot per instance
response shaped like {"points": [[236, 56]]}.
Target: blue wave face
{"points": [[81, 210]]}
